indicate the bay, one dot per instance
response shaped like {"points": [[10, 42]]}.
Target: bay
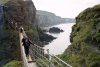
{"points": [[59, 45]]}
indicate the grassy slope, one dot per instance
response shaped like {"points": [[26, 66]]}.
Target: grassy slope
{"points": [[85, 37], [3, 1], [13, 63]]}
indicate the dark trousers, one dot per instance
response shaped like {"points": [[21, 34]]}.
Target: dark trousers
{"points": [[27, 51]]}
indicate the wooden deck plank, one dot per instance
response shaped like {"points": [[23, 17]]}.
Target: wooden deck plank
{"points": [[31, 63]]}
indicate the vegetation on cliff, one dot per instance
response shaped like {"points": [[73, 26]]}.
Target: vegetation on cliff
{"points": [[13, 64], [3, 2], [84, 50], [16, 13]]}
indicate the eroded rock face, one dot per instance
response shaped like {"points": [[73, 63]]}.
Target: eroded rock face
{"points": [[20, 12], [16, 13]]}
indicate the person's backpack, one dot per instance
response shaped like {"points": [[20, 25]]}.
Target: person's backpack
{"points": [[27, 42]]}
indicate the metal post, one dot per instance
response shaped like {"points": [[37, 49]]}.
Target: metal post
{"points": [[42, 52], [49, 58], [34, 51], [37, 53], [39, 49]]}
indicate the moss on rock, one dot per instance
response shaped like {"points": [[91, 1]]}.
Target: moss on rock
{"points": [[85, 38], [16, 13]]}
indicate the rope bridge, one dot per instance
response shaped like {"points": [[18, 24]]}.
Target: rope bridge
{"points": [[25, 61], [39, 57]]}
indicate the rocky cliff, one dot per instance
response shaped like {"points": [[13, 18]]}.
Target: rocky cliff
{"points": [[44, 19], [16, 13], [20, 12], [84, 50]]}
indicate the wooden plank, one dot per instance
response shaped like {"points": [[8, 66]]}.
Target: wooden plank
{"points": [[29, 59], [24, 59]]}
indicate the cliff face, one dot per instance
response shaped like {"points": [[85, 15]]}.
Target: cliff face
{"points": [[85, 38], [44, 19], [16, 13], [20, 12]]}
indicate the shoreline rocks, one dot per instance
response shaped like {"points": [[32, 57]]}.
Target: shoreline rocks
{"points": [[55, 30]]}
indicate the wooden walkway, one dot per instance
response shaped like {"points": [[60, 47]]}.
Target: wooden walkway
{"points": [[32, 65], [27, 62]]}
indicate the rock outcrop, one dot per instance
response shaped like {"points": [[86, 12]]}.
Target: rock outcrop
{"points": [[55, 30], [16, 13], [84, 50], [20, 12]]}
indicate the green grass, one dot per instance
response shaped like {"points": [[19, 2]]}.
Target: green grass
{"points": [[97, 37], [42, 62], [2, 2], [13, 63]]}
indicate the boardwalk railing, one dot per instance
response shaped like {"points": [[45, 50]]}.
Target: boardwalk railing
{"points": [[60, 62], [42, 58]]}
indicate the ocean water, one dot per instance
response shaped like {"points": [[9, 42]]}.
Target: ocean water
{"points": [[59, 45]]}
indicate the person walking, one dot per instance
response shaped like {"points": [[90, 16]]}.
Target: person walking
{"points": [[26, 44]]}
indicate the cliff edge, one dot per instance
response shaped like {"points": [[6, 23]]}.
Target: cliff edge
{"points": [[16, 13], [84, 50]]}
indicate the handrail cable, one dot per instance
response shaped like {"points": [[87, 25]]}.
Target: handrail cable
{"points": [[39, 53], [61, 60], [45, 58]]}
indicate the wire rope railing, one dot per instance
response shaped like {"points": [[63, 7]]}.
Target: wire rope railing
{"points": [[44, 59], [47, 59]]}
